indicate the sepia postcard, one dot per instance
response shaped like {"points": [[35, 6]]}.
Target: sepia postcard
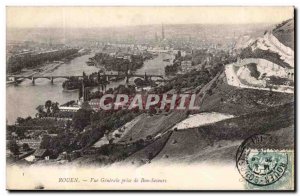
{"points": [[150, 98]]}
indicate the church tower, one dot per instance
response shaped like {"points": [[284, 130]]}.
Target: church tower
{"points": [[162, 32]]}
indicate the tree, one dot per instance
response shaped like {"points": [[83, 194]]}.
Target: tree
{"points": [[13, 147], [150, 156], [68, 124], [85, 77], [20, 120], [178, 54], [149, 137], [46, 141], [25, 147], [209, 92], [54, 107], [110, 141], [118, 135], [86, 106], [98, 77], [48, 104], [28, 118], [140, 143], [81, 119], [85, 139], [41, 111]]}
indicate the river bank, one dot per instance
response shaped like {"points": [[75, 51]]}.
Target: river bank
{"points": [[43, 68], [40, 71]]}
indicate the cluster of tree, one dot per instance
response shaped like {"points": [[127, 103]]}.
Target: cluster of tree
{"points": [[147, 55], [72, 83], [25, 125], [252, 67], [121, 89], [17, 62], [94, 79], [21, 120], [107, 119], [91, 80], [87, 128], [191, 79], [96, 124], [110, 153], [65, 141], [81, 119], [120, 64], [13, 147], [111, 119], [279, 81], [173, 69], [51, 109], [139, 82], [69, 137]]}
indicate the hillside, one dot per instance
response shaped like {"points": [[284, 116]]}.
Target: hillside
{"points": [[276, 45], [253, 95], [267, 64], [284, 32], [152, 125], [224, 98], [146, 154], [219, 141], [258, 90]]}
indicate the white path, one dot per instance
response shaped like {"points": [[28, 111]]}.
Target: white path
{"points": [[201, 119]]}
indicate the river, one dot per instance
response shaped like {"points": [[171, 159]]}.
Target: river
{"points": [[22, 100]]}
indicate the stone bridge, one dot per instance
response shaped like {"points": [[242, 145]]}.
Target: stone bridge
{"points": [[19, 79]]}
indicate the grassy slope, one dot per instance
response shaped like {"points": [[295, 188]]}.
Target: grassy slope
{"points": [[150, 151], [285, 33], [219, 142], [152, 125], [236, 101]]}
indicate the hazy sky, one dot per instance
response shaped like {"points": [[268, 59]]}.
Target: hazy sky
{"points": [[85, 17]]}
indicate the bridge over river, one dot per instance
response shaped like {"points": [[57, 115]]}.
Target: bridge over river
{"points": [[18, 79]]}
